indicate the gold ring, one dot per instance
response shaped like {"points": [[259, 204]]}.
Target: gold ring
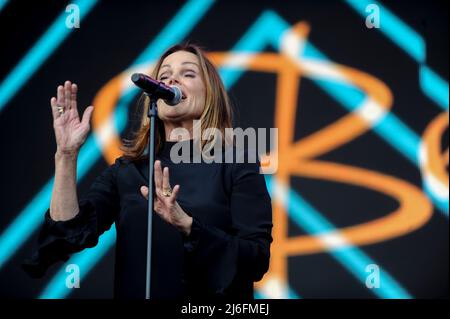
{"points": [[167, 192], [60, 109]]}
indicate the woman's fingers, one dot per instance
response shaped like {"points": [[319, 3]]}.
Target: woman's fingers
{"points": [[67, 94], [73, 97], [175, 191], [55, 112], [60, 95], [165, 182], [158, 176], [162, 184], [144, 191], [173, 197], [157, 205], [87, 115]]}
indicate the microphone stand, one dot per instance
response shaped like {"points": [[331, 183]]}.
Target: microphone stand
{"points": [[152, 113]]}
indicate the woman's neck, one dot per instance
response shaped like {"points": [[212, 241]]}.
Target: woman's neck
{"points": [[180, 131]]}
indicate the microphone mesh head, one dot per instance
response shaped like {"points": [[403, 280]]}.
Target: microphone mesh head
{"points": [[178, 95], [135, 77]]}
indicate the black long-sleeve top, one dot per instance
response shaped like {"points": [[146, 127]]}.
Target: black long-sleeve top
{"points": [[228, 247]]}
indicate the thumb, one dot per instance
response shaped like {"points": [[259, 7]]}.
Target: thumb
{"points": [[87, 115], [144, 191]]}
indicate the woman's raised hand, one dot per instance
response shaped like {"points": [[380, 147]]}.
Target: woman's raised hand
{"points": [[70, 132], [165, 204]]}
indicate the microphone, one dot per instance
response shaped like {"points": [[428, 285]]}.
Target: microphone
{"points": [[172, 95]]}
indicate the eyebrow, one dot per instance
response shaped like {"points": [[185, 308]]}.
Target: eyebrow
{"points": [[187, 62]]}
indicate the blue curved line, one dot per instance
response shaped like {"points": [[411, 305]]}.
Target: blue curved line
{"points": [[434, 86], [30, 218], [352, 258], [395, 29], [39, 53], [442, 204], [390, 128], [412, 43], [256, 38], [56, 288], [3, 4]]}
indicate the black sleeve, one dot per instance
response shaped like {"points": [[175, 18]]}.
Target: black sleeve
{"points": [[219, 258], [58, 239]]}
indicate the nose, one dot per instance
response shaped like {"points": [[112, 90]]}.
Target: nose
{"points": [[173, 80]]}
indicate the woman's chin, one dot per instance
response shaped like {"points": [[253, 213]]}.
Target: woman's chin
{"points": [[174, 115]]}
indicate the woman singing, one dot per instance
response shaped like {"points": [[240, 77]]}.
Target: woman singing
{"points": [[212, 221]]}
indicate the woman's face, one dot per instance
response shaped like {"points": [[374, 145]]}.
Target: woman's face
{"points": [[182, 69]]}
